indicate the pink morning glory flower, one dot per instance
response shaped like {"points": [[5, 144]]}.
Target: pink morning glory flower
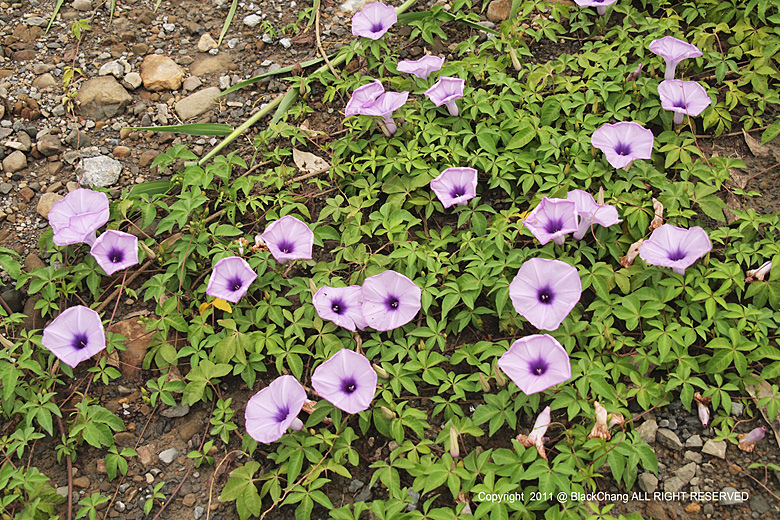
{"points": [[274, 409], [455, 186], [600, 5], [683, 97], [384, 106], [421, 67], [673, 51], [346, 380], [374, 20], [445, 92], [545, 291], [390, 300], [536, 437], [590, 213], [75, 335], [536, 363], [115, 250], [675, 247], [288, 239], [552, 219], [230, 279], [341, 305], [363, 97], [77, 217], [623, 143]]}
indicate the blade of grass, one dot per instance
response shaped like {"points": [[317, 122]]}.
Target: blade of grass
{"points": [[474, 25], [228, 21], [191, 129], [313, 14], [54, 14], [283, 70]]}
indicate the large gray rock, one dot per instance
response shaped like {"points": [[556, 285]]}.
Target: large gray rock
{"points": [[647, 482], [647, 430], [686, 473], [668, 439], [715, 448], [102, 98], [161, 73], [100, 171], [196, 104], [49, 145], [730, 496]]}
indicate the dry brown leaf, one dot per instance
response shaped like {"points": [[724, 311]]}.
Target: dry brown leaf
{"points": [[633, 251], [755, 145], [308, 162]]}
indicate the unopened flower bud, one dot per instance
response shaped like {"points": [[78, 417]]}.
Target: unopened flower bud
{"points": [[483, 383], [454, 448], [381, 372], [500, 379], [704, 409], [389, 415]]}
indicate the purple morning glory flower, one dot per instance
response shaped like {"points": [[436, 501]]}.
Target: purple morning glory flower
{"points": [[346, 380], [445, 92], [384, 106], [421, 67], [552, 219], [545, 291], [455, 186], [363, 97], [675, 247], [274, 409], [600, 5], [536, 363], [590, 213], [341, 305], [230, 279], [374, 20], [75, 335], [390, 300], [115, 250], [288, 239], [683, 97], [673, 51], [623, 142], [77, 217]]}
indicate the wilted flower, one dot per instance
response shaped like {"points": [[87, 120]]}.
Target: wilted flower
{"points": [[758, 274], [75, 335], [704, 410], [115, 250], [455, 186], [536, 363], [445, 92], [341, 305], [675, 247], [384, 106], [274, 409], [545, 291], [616, 419], [374, 20], [683, 97], [590, 213], [363, 97], [390, 300], [552, 219], [77, 217], [288, 239], [346, 380], [623, 142], [634, 74], [600, 5], [230, 279], [421, 67], [536, 437], [658, 215], [747, 442], [600, 429], [673, 51], [633, 251]]}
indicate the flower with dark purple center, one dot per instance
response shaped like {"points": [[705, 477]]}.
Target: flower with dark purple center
{"points": [[374, 20], [552, 219], [536, 363], [75, 335], [683, 97], [288, 239], [623, 143], [673, 51], [346, 380], [274, 409], [115, 250], [600, 5], [455, 186], [445, 92], [77, 217], [230, 279], [675, 247], [341, 305], [421, 67], [545, 291], [390, 300]]}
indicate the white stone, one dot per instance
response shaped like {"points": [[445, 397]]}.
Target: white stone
{"points": [[100, 171], [252, 20]]}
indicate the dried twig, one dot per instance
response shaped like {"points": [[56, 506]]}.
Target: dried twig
{"points": [[319, 42]]}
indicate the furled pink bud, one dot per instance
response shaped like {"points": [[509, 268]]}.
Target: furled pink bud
{"points": [[600, 429], [454, 448], [747, 442], [536, 437]]}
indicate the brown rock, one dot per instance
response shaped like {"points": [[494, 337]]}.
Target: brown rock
{"points": [[27, 34], [161, 73], [26, 194], [135, 346], [32, 316], [208, 64], [655, 511], [25, 55], [15, 162], [692, 508], [102, 98], [140, 49], [81, 482], [499, 10], [49, 145], [189, 500], [45, 203], [147, 158], [124, 439], [44, 81], [100, 466], [146, 455], [121, 151], [33, 262], [54, 167]]}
